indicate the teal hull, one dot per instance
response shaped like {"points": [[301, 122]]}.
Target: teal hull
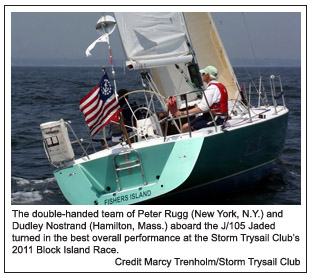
{"points": [[165, 167], [211, 164], [225, 166], [237, 152]]}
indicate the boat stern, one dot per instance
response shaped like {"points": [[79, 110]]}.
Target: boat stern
{"points": [[130, 176]]}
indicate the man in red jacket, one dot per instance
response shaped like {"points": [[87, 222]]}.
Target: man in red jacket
{"points": [[217, 98]]}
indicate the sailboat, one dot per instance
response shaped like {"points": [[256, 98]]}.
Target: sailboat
{"points": [[159, 161]]}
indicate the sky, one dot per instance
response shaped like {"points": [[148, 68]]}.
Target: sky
{"points": [[61, 38]]}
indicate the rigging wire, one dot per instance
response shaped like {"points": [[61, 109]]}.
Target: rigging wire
{"points": [[251, 79], [251, 45]]}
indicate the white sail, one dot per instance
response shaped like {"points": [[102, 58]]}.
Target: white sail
{"points": [[153, 39], [209, 50], [169, 81]]}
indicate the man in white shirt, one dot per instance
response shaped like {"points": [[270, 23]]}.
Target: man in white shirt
{"points": [[217, 98]]}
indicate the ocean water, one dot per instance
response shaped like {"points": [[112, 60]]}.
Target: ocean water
{"points": [[43, 94]]}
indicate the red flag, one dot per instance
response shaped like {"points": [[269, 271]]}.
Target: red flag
{"points": [[100, 106]]}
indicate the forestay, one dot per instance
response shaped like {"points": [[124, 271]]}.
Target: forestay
{"points": [[153, 39]]}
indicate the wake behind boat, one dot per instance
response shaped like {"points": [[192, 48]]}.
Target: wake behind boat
{"points": [[154, 158]]}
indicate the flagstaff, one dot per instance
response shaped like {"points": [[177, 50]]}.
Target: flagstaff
{"points": [[107, 24]]}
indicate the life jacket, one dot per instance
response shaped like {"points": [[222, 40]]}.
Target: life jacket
{"points": [[222, 106]]}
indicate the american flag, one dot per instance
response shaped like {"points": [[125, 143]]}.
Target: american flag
{"points": [[100, 106]]}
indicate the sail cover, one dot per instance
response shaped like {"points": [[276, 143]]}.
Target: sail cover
{"points": [[153, 39]]}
